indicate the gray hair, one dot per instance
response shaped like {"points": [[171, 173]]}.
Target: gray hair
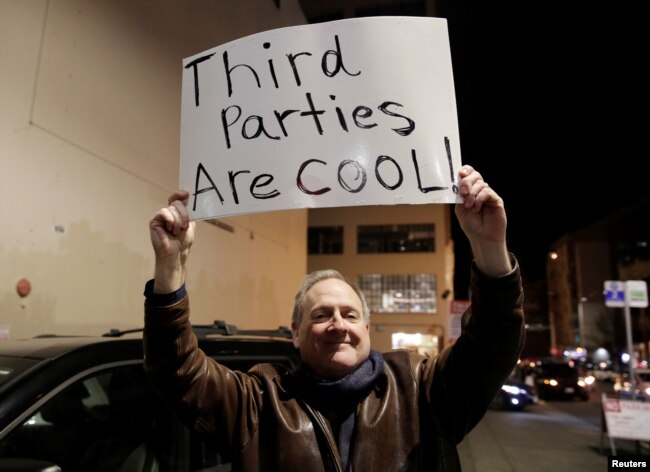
{"points": [[311, 279]]}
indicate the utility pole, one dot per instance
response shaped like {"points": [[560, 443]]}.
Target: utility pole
{"points": [[628, 294]]}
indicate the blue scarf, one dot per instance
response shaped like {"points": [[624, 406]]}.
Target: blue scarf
{"points": [[344, 395]]}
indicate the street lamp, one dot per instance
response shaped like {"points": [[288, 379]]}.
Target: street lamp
{"points": [[581, 320], [551, 304]]}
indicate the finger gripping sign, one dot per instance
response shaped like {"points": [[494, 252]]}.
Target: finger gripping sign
{"points": [[351, 112]]}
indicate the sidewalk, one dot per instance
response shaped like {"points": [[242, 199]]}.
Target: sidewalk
{"points": [[539, 439]]}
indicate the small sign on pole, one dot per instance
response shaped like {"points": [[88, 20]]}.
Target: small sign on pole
{"points": [[614, 293], [636, 293], [628, 294]]}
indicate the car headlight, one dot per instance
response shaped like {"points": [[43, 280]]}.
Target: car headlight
{"points": [[512, 390]]}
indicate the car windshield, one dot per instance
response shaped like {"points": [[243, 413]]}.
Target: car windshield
{"points": [[644, 376], [12, 367]]}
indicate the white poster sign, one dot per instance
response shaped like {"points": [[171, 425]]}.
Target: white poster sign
{"points": [[351, 112], [627, 419], [456, 310]]}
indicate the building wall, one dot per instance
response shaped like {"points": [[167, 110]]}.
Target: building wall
{"points": [[560, 278], [592, 268], [351, 264], [617, 247], [575, 281], [592, 261], [89, 139]]}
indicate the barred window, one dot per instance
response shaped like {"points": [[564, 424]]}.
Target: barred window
{"points": [[373, 239], [325, 240], [415, 293]]}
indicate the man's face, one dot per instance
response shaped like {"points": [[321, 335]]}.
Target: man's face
{"points": [[333, 337]]}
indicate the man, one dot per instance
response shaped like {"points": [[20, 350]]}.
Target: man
{"points": [[347, 407]]}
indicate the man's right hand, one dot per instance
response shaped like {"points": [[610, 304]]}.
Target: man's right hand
{"points": [[172, 234]]}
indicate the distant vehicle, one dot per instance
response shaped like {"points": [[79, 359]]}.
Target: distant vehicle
{"points": [[623, 386], [643, 383], [514, 395], [560, 380], [604, 375], [85, 403], [602, 371]]}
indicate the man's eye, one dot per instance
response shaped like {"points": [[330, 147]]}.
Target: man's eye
{"points": [[320, 316], [352, 315]]}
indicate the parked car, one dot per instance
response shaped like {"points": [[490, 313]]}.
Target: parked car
{"points": [[85, 404], [514, 395]]}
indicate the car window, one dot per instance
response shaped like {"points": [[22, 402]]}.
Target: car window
{"points": [[111, 421], [11, 367]]}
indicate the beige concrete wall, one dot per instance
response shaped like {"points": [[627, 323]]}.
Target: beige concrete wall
{"points": [[89, 139], [440, 263]]}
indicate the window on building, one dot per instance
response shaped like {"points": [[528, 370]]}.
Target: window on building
{"points": [[373, 239], [422, 343], [325, 240], [414, 293]]}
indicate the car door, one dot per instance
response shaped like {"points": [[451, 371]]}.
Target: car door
{"points": [[109, 420]]}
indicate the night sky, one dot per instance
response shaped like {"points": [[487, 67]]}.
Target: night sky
{"points": [[550, 111]]}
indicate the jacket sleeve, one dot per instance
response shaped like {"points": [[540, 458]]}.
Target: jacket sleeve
{"points": [[206, 395], [466, 376]]}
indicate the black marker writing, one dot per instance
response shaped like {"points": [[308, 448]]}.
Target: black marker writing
{"points": [[338, 64], [417, 173], [302, 187], [401, 131], [242, 69], [454, 187], [258, 182], [360, 174], [351, 175], [381, 180], [254, 125], [195, 68], [200, 170]]}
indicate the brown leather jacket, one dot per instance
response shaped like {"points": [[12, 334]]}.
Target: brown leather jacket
{"points": [[412, 420]]}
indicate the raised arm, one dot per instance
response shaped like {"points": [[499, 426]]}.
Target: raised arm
{"points": [[172, 235], [482, 217]]}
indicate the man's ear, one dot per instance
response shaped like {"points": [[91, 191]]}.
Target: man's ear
{"points": [[294, 333]]}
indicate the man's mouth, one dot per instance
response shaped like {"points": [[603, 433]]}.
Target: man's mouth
{"points": [[336, 343]]}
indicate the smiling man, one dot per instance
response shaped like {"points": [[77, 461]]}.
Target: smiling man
{"points": [[330, 325], [347, 407]]}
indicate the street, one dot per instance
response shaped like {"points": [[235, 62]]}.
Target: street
{"points": [[549, 436]]}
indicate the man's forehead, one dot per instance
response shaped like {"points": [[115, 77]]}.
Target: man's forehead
{"points": [[331, 289]]}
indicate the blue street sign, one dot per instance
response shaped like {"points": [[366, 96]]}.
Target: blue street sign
{"points": [[614, 293]]}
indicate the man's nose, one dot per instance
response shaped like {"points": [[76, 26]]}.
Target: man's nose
{"points": [[337, 321]]}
